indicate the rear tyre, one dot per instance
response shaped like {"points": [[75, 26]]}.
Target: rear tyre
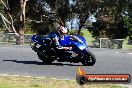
{"points": [[88, 59], [47, 59]]}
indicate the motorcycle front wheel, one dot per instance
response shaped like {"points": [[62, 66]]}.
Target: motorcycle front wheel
{"points": [[88, 59]]}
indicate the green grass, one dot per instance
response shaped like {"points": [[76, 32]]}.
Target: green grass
{"points": [[128, 47], [90, 39], [125, 45], [88, 36], [34, 82]]}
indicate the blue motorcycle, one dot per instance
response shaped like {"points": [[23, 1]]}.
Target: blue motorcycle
{"points": [[47, 52]]}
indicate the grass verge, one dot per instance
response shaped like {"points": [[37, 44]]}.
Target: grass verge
{"points": [[126, 46], [35, 82]]}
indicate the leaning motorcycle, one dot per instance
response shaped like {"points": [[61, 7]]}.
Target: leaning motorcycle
{"points": [[47, 52]]}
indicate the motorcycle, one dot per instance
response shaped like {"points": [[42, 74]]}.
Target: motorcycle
{"points": [[47, 52]]}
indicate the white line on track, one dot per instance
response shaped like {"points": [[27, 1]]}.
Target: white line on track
{"points": [[124, 53]]}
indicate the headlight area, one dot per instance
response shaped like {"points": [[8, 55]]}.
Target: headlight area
{"points": [[81, 47]]}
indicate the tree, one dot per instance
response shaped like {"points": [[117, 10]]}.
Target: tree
{"points": [[112, 16], [48, 13], [84, 9], [15, 17], [110, 19]]}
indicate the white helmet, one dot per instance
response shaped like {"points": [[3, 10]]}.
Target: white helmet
{"points": [[63, 30]]}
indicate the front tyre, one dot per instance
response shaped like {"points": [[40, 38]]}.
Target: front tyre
{"points": [[88, 59]]}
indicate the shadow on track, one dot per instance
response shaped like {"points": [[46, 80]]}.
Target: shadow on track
{"points": [[40, 63]]}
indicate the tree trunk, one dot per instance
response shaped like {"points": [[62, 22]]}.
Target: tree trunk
{"points": [[119, 21], [83, 19], [20, 38], [79, 30]]}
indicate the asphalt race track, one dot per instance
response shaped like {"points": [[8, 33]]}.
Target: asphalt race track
{"points": [[22, 60]]}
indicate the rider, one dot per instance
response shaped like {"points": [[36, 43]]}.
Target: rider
{"points": [[60, 33]]}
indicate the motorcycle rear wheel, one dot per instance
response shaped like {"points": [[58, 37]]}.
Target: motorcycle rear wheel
{"points": [[45, 58], [89, 59]]}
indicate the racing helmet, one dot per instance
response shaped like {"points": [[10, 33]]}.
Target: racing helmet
{"points": [[63, 30]]}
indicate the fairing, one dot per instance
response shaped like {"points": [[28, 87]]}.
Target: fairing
{"points": [[65, 41], [68, 41]]}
